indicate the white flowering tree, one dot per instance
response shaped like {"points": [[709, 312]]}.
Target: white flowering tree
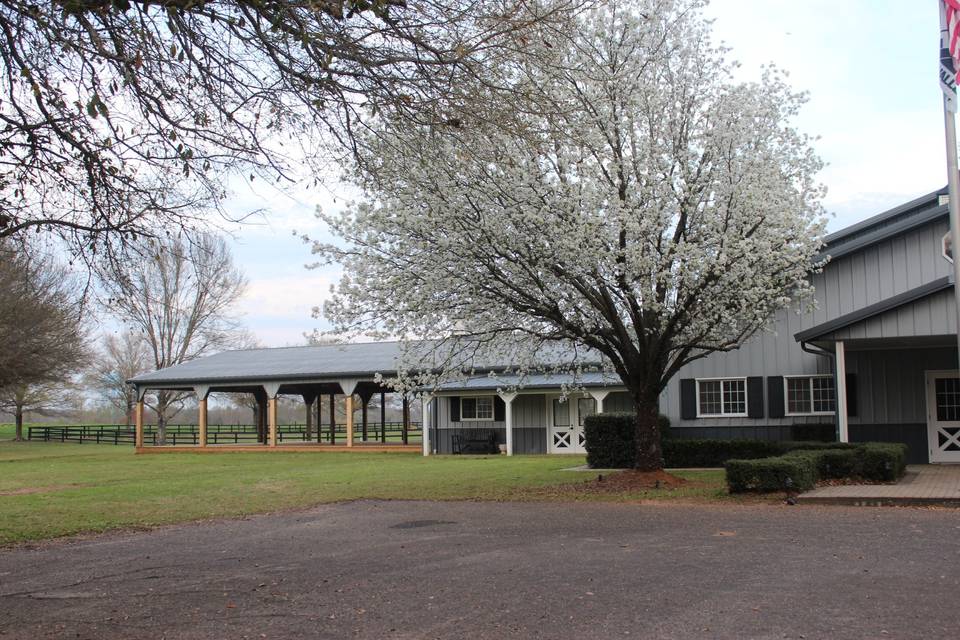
{"points": [[646, 207]]}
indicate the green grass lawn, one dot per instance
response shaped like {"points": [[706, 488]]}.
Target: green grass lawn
{"points": [[53, 489]]}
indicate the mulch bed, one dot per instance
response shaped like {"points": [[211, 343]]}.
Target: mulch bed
{"points": [[617, 482], [630, 480], [842, 482]]}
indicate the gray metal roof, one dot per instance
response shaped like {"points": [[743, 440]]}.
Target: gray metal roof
{"points": [[323, 362], [893, 222], [362, 359]]}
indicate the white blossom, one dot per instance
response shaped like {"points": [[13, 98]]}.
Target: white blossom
{"points": [[643, 205]]}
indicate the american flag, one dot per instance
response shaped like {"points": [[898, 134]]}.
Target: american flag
{"points": [[949, 50]]}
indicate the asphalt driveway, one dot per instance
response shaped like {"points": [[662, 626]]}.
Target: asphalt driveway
{"points": [[486, 570]]}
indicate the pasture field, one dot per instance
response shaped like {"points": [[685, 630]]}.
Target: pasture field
{"points": [[52, 489]]}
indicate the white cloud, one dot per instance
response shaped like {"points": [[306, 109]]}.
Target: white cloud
{"points": [[869, 69], [284, 296]]}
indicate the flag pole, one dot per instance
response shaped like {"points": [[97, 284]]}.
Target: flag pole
{"points": [[953, 174], [953, 189]]}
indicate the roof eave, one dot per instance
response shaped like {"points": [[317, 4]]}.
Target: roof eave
{"points": [[881, 234], [312, 377]]}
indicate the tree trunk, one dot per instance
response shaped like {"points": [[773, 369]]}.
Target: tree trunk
{"points": [[649, 451], [18, 419], [309, 426], [161, 425]]}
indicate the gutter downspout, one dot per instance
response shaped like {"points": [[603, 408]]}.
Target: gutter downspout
{"points": [[817, 351]]}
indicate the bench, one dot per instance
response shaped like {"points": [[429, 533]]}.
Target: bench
{"points": [[478, 441]]}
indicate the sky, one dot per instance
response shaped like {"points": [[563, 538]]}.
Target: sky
{"points": [[870, 69]]}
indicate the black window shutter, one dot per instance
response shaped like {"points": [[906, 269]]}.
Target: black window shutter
{"points": [[852, 395], [499, 409], [688, 398], [775, 396], [755, 397], [454, 408]]}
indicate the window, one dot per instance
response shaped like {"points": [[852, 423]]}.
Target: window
{"points": [[480, 408], [948, 399], [722, 397], [810, 395], [561, 413], [585, 407]]}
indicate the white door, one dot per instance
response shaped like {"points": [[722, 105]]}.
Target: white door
{"points": [[943, 416], [565, 422]]}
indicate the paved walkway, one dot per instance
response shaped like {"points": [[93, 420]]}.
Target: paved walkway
{"points": [[925, 484]]}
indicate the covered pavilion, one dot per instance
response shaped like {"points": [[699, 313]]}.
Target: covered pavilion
{"points": [[347, 371]]}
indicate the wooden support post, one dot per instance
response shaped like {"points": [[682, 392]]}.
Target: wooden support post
{"points": [[599, 396], [272, 421], [405, 429], [202, 421], [264, 419], [333, 418], [138, 421], [383, 417], [319, 415], [261, 400], [364, 402], [308, 401], [258, 417], [348, 403]]}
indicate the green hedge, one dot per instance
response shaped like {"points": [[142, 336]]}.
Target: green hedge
{"points": [[610, 444], [874, 461], [714, 453], [611, 439], [771, 474], [833, 463], [883, 461]]}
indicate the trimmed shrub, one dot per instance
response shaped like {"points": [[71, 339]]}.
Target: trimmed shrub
{"points": [[876, 461], [714, 453], [819, 446], [836, 463], [772, 474], [611, 439], [830, 463], [883, 461]]}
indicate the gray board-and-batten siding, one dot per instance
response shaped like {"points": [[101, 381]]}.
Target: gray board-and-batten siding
{"points": [[850, 282], [529, 422], [886, 352]]}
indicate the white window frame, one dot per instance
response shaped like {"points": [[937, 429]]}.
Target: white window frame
{"points": [[721, 380], [493, 411], [565, 403], [810, 377]]}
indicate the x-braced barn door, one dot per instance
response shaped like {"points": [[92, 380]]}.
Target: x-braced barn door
{"points": [[565, 419], [943, 416]]}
